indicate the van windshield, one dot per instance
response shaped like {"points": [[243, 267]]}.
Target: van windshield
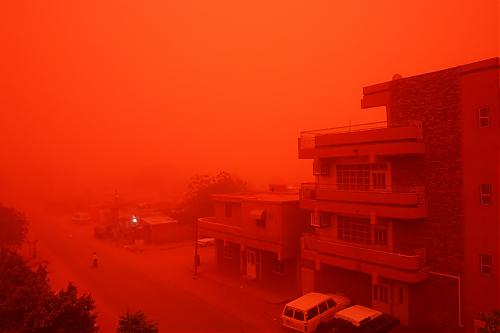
{"points": [[288, 312]]}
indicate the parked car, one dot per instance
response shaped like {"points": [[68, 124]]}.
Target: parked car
{"points": [[81, 218], [312, 311], [360, 319], [103, 232]]}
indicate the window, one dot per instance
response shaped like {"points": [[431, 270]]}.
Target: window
{"points": [[362, 177], [321, 167], [228, 251], [299, 315], [353, 177], [381, 293], [278, 266], [486, 262], [322, 307], [331, 303], [312, 313], [360, 230], [321, 219], [289, 312], [228, 210], [261, 223], [259, 216], [485, 194], [380, 236], [484, 117], [354, 229]]}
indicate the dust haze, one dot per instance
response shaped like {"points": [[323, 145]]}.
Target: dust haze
{"points": [[137, 97]]}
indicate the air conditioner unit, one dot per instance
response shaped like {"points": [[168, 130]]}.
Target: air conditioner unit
{"points": [[320, 219]]}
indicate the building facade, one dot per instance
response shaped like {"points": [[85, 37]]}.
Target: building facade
{"points": [[406, 212], [257, 235]]}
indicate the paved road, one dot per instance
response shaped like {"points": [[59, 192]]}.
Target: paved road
{"points": [[158, 281]]}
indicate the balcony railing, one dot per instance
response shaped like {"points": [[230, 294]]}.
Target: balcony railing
{"points": [[403, 258], [412, 195], [308, 138]]}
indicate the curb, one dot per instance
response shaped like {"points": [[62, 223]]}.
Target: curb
{"points": [[245, 289]]}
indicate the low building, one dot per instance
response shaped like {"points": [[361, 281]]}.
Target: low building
{"points": [[257, 235], [159, 229]]}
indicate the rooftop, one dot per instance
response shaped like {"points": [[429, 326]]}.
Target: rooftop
{"points": [[158, 220], [492, 63], [356, 314], [308, 301]]}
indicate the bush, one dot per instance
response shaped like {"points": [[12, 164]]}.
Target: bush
{"points": [[136, 323], [13, 227], [28, 304]]}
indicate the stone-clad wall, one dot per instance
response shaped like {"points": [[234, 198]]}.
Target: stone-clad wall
{"points": [[434, 99]]}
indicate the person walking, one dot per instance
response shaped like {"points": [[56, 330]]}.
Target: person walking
{"points": [[94, 260]]}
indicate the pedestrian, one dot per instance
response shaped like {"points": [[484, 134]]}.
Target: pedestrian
{"points": [[94, 260]]}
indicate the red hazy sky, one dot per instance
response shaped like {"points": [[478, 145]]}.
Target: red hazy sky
{"points": [[98, 95]]}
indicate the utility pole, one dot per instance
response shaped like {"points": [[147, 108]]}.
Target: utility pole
{"points": [[196, 256]]}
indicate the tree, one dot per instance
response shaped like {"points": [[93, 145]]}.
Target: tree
{"points": [[22, 290], [136, 323], [64, 311], [198, 203], [492, 322], [27, 303], [13, 227]]}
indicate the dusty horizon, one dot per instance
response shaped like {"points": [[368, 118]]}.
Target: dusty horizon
{"points": [[138, 98]]}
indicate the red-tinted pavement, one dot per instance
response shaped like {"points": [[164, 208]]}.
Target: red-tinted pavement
{"points": [[158, 281]]}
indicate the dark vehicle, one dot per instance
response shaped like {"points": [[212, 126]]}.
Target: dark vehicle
{"points": [[103, 232], [360, 319]]}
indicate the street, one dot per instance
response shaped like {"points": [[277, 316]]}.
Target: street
{"points": [[158, 280]]}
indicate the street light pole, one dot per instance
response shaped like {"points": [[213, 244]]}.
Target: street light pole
{"points": [[196, 257]]}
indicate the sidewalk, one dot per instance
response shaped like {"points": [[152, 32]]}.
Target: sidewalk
{"points": [[252, 288], [273, 295]]}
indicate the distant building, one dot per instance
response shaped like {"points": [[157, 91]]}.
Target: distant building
{"points": [[257, 234], [407, 212], [159, 229]]}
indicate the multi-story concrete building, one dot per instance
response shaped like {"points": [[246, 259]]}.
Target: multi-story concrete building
{"points": [[258, 234], [407, 211]]}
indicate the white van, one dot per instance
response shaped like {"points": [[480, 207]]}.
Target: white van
{"points": [[307, 312], [361, 319]]}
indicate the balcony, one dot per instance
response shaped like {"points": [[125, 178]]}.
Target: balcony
{"points": [[365, 200], [363, 140], [409, 267], [211, 227]]}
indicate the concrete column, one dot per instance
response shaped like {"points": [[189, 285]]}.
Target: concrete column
{"points": [[242, 259], [307, 278]]}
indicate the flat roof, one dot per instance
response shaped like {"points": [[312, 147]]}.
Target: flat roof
{"points": [[258, 196], [308, 301], [491, 63], [357, 313], [158, 220]]}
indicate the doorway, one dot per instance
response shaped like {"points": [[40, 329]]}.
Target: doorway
{"points": [[400, 302], [251, 264], [381, 297]]}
